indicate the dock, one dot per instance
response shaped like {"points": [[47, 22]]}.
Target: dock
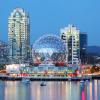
{"points": [[9, 78]]}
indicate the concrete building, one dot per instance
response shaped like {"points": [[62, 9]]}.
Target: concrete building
{"points": [[19, 36], [70, 36]]}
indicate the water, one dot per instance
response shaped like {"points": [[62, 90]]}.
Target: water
{"points": [[16, 90]]}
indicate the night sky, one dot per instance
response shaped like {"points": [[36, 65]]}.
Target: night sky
{"points": [[48, 16]]}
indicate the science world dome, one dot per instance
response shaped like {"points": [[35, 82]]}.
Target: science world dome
{"points": [[49, 49]]}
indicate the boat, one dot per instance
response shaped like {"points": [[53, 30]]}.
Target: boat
{"points": [[69, 78], [87, 80], [81, 81], [25, 80], [42, 84]]}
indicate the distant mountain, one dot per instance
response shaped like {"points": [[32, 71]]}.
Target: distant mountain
{"points": [[93, 49]]}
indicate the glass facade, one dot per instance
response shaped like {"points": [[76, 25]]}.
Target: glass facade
{"points": [[83, 47], [3, 53]]}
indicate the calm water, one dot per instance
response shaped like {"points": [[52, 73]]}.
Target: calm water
{"points": [[12, 90]]}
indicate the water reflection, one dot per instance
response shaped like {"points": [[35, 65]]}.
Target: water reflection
{"points": [[17, 91], [82, 91], [13, 90], [2, 90]]}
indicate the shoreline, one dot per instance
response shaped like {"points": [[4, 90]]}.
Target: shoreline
{"points": [[8, 78]]}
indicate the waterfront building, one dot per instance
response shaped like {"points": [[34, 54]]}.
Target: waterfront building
{"points": [[49, 49], [19, 36], [83, 47], [70, 36], [3, 53]]}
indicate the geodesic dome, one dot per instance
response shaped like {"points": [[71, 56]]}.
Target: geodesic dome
{"points": [[49, 48]]}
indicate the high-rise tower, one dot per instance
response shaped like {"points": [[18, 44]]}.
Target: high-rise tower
{"points": [[70, 35], [83, 47], [18, 36]]}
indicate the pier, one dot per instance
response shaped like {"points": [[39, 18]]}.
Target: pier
{"points": [[8, 78]]}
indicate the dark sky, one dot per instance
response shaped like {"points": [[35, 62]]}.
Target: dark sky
{"points": [[48, 16]]}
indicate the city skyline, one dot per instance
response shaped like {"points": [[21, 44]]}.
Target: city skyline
{"points": [[50, 16], [50, 49]]}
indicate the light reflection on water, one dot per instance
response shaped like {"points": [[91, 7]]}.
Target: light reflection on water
{"points": [[16, 90]]}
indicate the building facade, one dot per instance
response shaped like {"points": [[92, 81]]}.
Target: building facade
{"points": [[3, 53], [70, 36], [83, 47], [19, 36]]}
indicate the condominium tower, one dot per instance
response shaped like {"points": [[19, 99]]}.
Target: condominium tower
{"points": [[18, 36], [83, 47], [70, 36]]}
